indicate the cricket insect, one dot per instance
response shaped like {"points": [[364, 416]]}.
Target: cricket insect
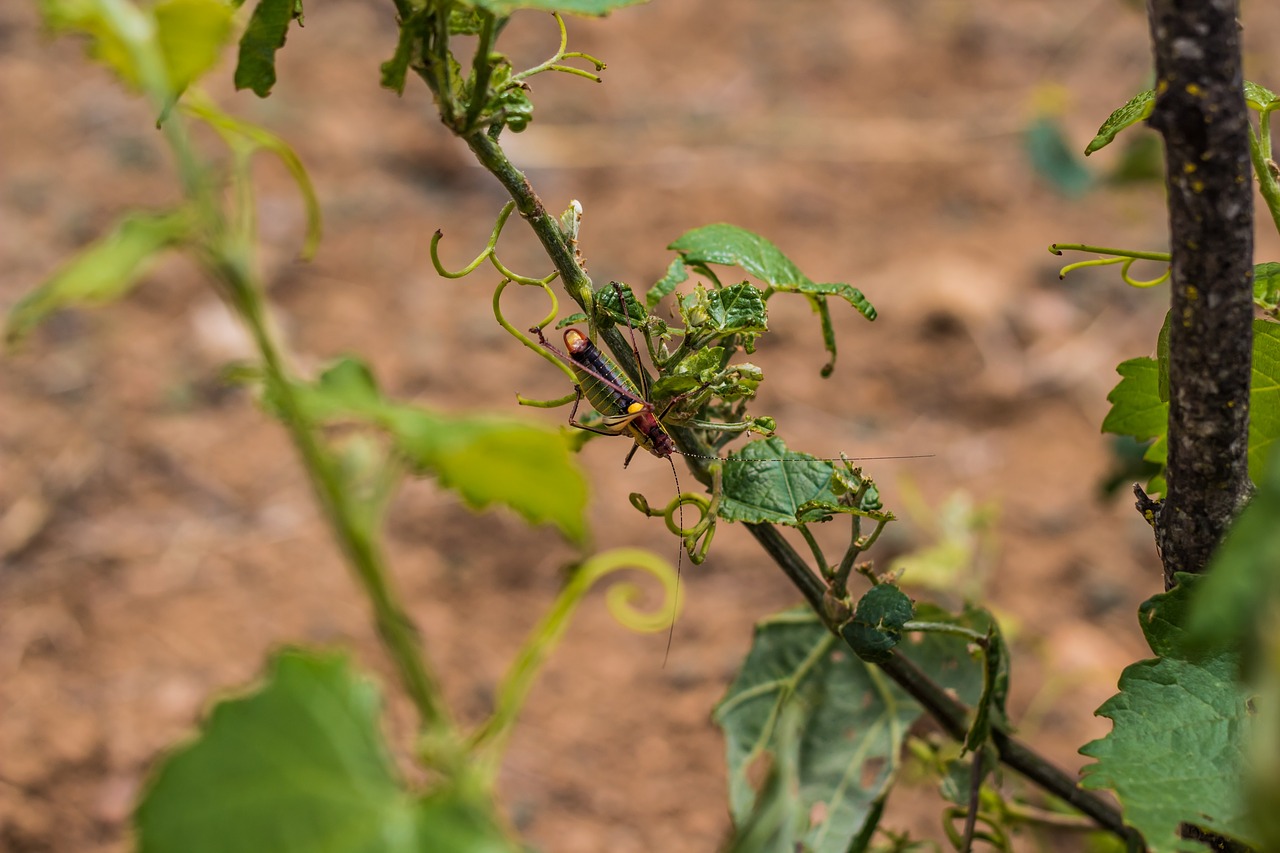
{"points": [[626, 409]]}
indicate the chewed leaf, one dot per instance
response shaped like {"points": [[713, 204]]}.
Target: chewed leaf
{"points": [[1180, 738], [768, 482], [106, 270], [301, 762], [847, 292], [265, 35], [487, 460], [1137, 109], [594, 8]]}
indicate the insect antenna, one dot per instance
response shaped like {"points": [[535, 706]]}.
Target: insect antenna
{"points": [[675, 603]]}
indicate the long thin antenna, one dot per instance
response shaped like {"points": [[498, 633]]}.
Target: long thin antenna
{"points": [[675, 603]]}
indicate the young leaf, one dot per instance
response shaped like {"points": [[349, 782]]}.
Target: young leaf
{"points": [[487, 460], [595, 8], [299, 765], [104, 271], [767, 482], [265, 34], [1260, 98], [876, 626], [852, 721], [1180, 737], [1137, 109]]}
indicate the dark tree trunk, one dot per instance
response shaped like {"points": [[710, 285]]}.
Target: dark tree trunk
{"points": [[1200, 111]]}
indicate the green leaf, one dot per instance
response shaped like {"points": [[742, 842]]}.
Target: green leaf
{"points": [[297, 766], [1137, 109], [396, 69], [876, 626], [191, 35], [102, 272], [767, 482], [1266, 286], [1260, 98], [1179, 743], [487, 460], [852, 721], [733, 246], [265, 34], [675, 276], [594, 8]]}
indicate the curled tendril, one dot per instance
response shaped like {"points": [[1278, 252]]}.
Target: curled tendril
{"points": [[1125, 257], [553, 64], [1136, 282], [530, 343], [696, 539], [489, 253], [490, 737]]}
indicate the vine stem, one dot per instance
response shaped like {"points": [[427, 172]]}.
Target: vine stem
{"points": [[394, 625]]}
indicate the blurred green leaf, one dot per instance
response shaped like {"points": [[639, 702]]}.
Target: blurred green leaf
{"points": [[186, 35], [266, 33], [487, 460], [776, 822], [767, 482], [297, 766], [102, 272], [1180, 737], [191, 35], [1138, 411], [1054, 159], [1137, 109]]}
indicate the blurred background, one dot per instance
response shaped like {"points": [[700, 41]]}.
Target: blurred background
{"points": [[157, 537]]}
